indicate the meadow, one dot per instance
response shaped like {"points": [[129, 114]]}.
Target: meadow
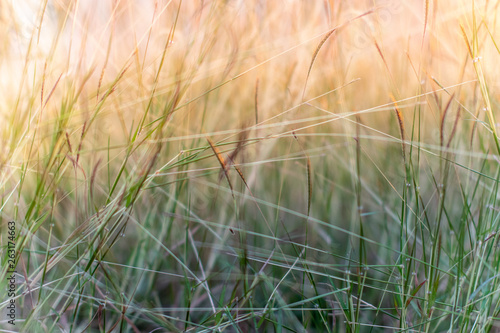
{"points": [[250, 166]]}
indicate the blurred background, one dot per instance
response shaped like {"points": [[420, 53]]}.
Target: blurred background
{"points": [[250, 165]]}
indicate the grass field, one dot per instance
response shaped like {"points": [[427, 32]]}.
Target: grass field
{"points": [[249, 166]]}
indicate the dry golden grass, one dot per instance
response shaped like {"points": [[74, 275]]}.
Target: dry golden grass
{"points": [[118, 116]]}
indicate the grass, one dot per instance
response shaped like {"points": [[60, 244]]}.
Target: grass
{"points": [[244, 166]]}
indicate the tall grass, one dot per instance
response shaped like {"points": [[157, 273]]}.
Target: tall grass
{"points": [[209, 166]]}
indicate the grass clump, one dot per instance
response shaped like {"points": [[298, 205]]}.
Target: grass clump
{"points": [[250, 166]]}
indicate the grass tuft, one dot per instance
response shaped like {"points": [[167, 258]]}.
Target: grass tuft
{"points": [[210, 166]]}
